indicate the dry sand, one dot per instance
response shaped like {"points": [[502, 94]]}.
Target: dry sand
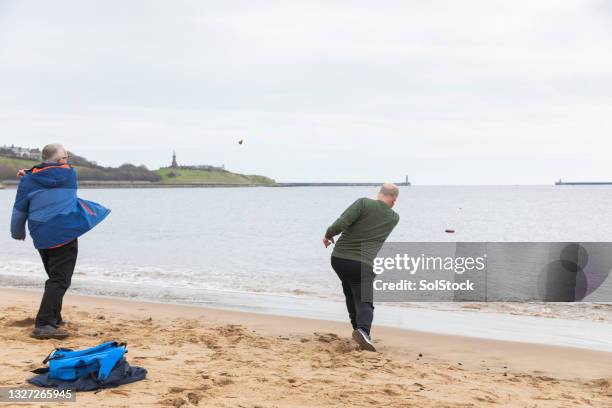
{"points": [[206, 357]]}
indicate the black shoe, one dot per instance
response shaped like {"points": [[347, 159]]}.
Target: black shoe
{"points": [[363, 339], [63, 323], [49, 332]]}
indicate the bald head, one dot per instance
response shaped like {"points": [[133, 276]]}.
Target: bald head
{"points": [[388, 193], [54, 152]]}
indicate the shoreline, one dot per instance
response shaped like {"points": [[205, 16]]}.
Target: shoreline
{"points": [[199, 356], [11, 184], [508, 326]]}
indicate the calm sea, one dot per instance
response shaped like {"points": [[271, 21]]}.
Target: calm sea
{"points": [[259, 249], [181, 244]]}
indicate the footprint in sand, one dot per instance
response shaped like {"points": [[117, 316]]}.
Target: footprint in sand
{"points": [[222, 382], [173, 402], [194, 398], [486, 398], [22, 323], [391, 392], [326, 337]]}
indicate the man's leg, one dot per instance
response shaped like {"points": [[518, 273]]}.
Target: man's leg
{"points": [[45, 260], [365, 310], [46, 315], [350, 272], [60, 266], [343, 271], [74, 252]]}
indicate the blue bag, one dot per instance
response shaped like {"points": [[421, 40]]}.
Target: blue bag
{"points": [[103, 366], [70, 365]]}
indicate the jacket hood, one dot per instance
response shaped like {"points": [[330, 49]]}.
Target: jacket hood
{"points": [[51, 174]]}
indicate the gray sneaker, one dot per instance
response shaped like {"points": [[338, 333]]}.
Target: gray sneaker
{"points": [[49, 332], [363, 339]]}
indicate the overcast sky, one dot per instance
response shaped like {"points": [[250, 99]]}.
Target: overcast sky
{"points": [[448, 92]]}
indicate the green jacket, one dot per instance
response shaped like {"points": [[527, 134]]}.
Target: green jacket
{"points": [[365, 226]]}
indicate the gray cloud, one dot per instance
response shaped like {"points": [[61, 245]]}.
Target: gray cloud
{"points": [[449, 92]]}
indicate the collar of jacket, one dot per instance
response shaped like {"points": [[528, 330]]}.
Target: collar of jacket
{"points": [[51, 165]]}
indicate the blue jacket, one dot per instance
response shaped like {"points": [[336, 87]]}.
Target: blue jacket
{"points": [[47, 199]]}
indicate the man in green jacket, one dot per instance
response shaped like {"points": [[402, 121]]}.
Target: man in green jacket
{"points": [[365, 226]]}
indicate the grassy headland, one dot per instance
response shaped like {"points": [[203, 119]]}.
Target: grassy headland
{"points": [[9, 166], [127, 172], [193, 176]]}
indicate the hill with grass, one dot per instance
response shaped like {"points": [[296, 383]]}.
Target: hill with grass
{"points": [[171, 175], [9, 166], [90, 171]]}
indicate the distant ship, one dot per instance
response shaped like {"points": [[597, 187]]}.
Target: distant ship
{"points": [[583, 183]]}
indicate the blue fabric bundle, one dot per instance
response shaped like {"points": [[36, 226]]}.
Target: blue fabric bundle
{"points": [[102, 366]]}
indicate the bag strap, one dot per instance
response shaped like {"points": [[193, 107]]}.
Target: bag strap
{"points": [[54, 354], [46, 360]]}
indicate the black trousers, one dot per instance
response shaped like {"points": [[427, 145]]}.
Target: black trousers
{"points": [[361, 313], [59, 264]]}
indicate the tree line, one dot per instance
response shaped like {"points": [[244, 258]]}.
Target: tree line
{"points": [[86, 170]]}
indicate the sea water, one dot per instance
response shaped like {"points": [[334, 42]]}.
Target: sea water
{"points": [[260, 249]]}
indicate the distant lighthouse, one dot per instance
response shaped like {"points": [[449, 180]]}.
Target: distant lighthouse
{"points": [[174, 163]]}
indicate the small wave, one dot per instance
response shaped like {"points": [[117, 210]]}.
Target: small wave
{"points": [[150, 282]]}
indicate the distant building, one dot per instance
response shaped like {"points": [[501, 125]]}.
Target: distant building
{"points": [[206, 167], [22, 152]]}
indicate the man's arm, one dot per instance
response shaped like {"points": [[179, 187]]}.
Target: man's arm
{"points": [[348, 217], [20, 213]]}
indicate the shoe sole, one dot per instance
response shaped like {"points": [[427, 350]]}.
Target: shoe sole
{"points": [[363, 344]]}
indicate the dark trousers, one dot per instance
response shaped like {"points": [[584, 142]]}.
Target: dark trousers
{"points": [[59, 264], [361, 313]]}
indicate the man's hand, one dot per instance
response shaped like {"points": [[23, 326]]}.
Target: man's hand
{"points": [[328, 242], [21, 173]]}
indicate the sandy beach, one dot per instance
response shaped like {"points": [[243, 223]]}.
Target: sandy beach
{"points": [[207, 357]]}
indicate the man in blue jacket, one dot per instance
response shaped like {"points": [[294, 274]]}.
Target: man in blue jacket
{"points": [[47, 200]]}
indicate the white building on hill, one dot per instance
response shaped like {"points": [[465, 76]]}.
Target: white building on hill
{"points": [[23, 152]]}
